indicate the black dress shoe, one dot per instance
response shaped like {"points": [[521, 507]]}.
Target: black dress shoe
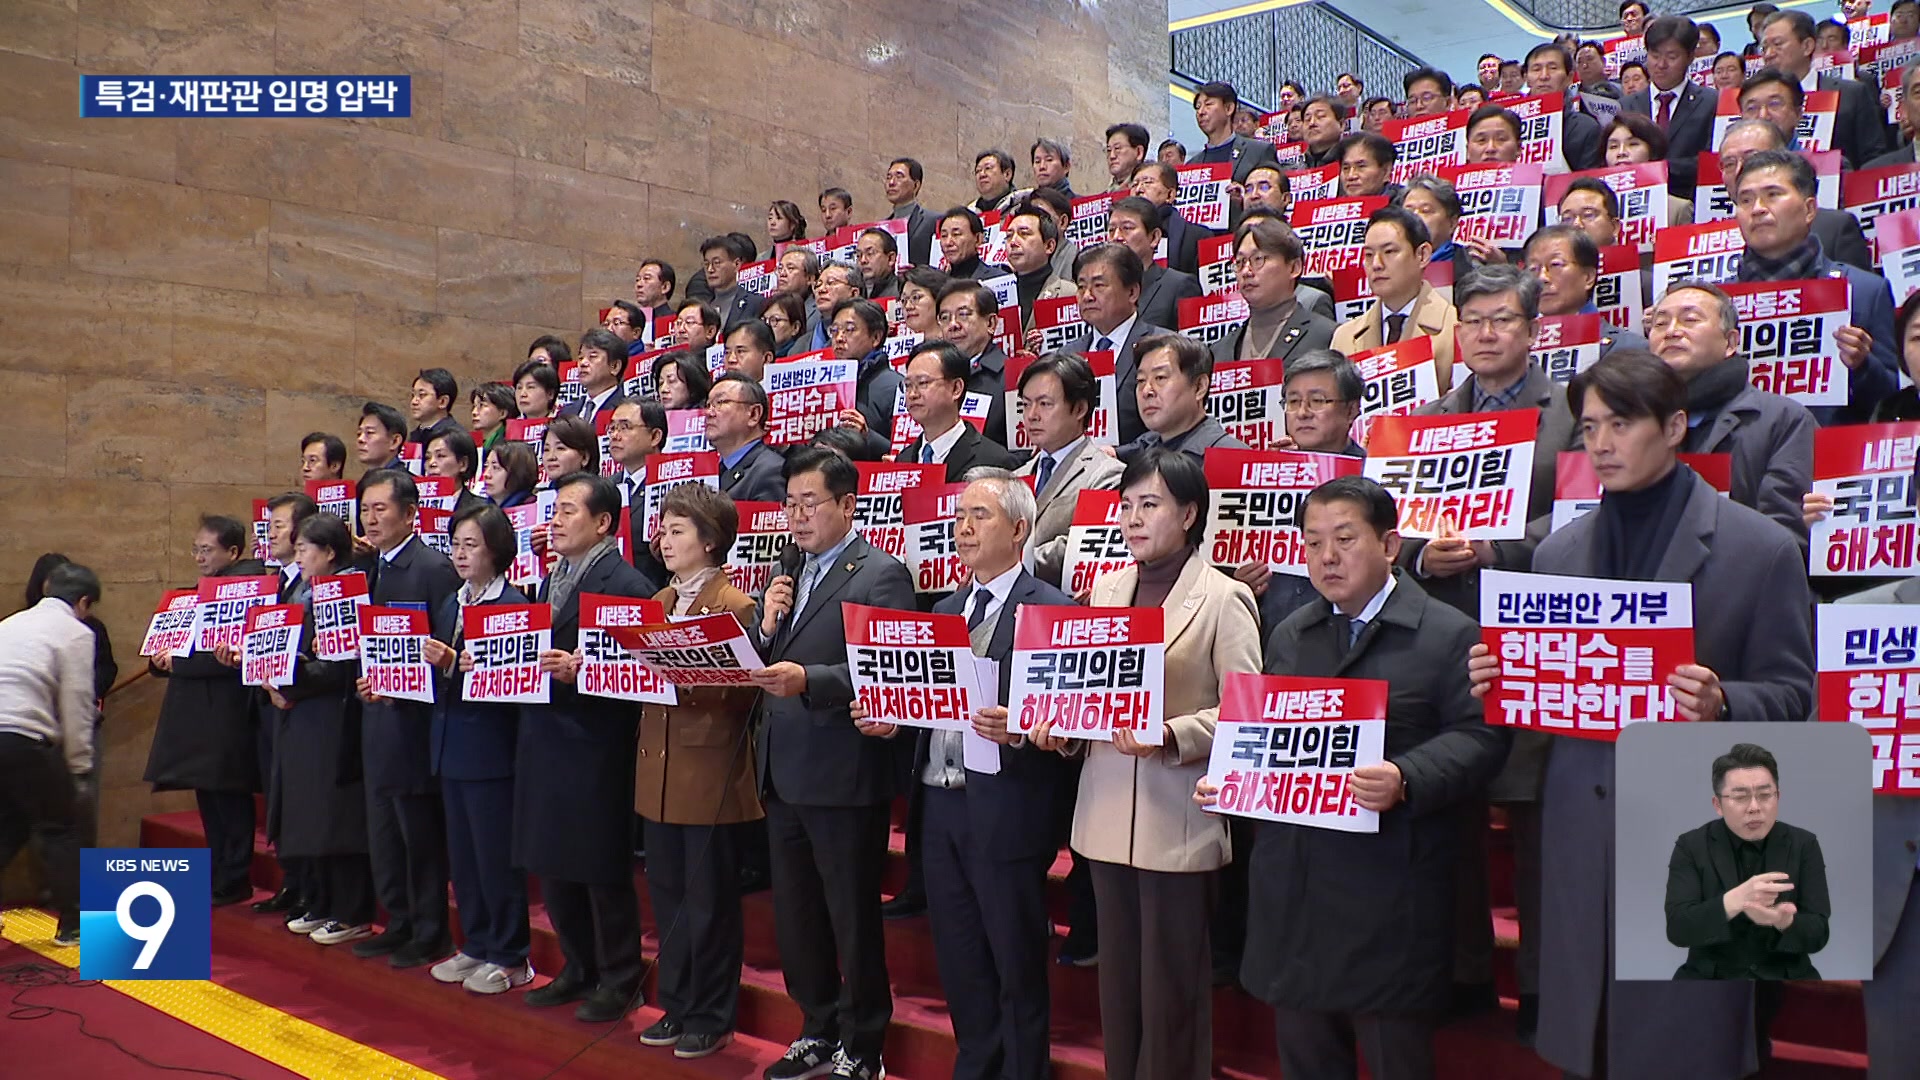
{"points": [[232, 894], [904, 906], [415, 953], [564, 989], [383, 944], [283, 901], [607, 1004]]}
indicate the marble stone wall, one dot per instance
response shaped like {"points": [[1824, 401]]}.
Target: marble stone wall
{"points": [[181, 300]]}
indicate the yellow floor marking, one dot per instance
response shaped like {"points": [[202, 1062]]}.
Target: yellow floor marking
{"points": [[287, 1041]]}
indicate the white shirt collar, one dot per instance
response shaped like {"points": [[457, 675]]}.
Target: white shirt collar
{"points": [[1374, 605], [1407, 311], [290, 573], [1811, 82], [388, 556], [600, 401], [1061, 455], [998, 588], [1119, 333], [943, 445], [491, 591]]}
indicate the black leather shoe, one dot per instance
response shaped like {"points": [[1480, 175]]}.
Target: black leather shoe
{"points": [[415, 953], [383, 944], [563, 990], [904, 906], [232, 895], [607, 1004], [283, 901]]}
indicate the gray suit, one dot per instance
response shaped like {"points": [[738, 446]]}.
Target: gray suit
{"points": [[1088, 468], [1893, 1041], [1760, 643], [1305, 329], [1771, 440], [1161, 291], [757, 477]]}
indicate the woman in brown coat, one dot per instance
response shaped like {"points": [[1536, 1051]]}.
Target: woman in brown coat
{"points": [[693, 782]]}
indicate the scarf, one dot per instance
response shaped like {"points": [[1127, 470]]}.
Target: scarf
{"points": [[1712, 389], [686, 590], [1800, 264], [1635, 527]]}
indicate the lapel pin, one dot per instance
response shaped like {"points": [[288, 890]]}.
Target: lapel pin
{"points": [[849, 568]]}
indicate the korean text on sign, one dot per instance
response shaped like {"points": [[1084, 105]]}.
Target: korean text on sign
{"points": [[1475, 468], [393, 653], [913, 668], [806, 394], [1089, 672], [1868, 471], [1787, 335], [1580, 656], [1095, 544], [505, 641], [878, 510], [607, 669], [223, 608], [1285, 748], [170, 631], [1869, 664], [270, 644], [1254, 505], [932, 557], [709, 651]]}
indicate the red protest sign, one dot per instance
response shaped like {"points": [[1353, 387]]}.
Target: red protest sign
{"points": [[1208, 319], [337, 599], [763, 534], [1427, 144], [806, 394], [269, 644], [1787, 336], [1583, 657], [1248, 398], [1542, 127], [1867, 469], [912, 668], [1217, 274], [1089, 672], [607, 669], [336, 497], [223, 605], [1499, 203], [1897, 240], [1709, 252], [1617, 292], [1332, 231], [393, 653], [1202, 195], [1641, 191], [878, 511], [1254, 505], [1095, 544], [505, 641], [712, 650], [1058, 320], [1869, 664], [668, 471], [1873, 194], [1566, 345], [928, 513], [170, 631], [1475, 469], [1285, 748], [1397, 379]]}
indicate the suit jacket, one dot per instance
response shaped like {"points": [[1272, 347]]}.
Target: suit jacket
{"points": [[1249, 154], [1161, 291], [1771, 440], [579, 408], [1183, 240], [1842, 239], [921, 225], [471, 740], [1871, 303], [396, 739], [1317, 300], [1896, 820], [745, 308], [1433, 315], [1860, 125], [573, 782], [429, 432], [989, 377], [877, 388], [1196, 440], [757, 477], [1305, 329], [973, 449], [1702, 870], [692, 766], [1899, 155], [809, 752], [1358, 922], [1086, 468], [1031, 784], [1760, 643], [1581, 133], [1139, 812], [1689, 131], [1126, 374]]}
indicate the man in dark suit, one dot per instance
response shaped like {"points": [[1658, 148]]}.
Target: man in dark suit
{"points": [[825, 787], [1787, 43], [1267, 261], [1175, 374], [722, 258], [878, 253], [602, 366], [1681, 107], [637, 432], [377, 441], [1213, 107], [961, 234], [1567, 262], [1159, 184], [935, 386], [1753, 652], [298, 884], [986, 863], [1339, 962], [1108, 276], [431, 404], [969, 314], [737, 430], [653, 287], [406, 823], [573, 777], [1550, 71], [1135, 222], [1059, 393], [902, 182], [1838, 231], [1746, 892]]}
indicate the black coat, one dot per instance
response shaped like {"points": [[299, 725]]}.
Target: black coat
{"points": [[1183, 240], [973, 449], [808, 750], [874, 395], [1358, 922], [1126, 373], [396, 749], [1161, 291], [205, 739], [573, 764], [1702, 870], [757, 477], [1860, 125], [319, 801], [470, 740], [989, 377]]}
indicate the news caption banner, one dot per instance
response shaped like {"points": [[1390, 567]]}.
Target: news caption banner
{"points": [[1869, 674], [1583, 657], [313, 96], [1089, 672], [1285, 749], [146, 913]]}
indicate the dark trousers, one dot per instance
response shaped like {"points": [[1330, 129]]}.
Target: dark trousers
{"points": [[1156, 972], [228, 818], [1523, 822], [37, 802], [1322, 1045], [1230, 913], [599, 930], [407, 845], [299, 877], [693, 878], [1893, 1039], [492, 894], [341, 888], [990, 931], [826, 863], [1472, 917]]}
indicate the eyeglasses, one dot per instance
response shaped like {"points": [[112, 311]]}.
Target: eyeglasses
{"points": [[960, 314], [621, 427], [1743, 797], [1688, 320], [805, 506], [202, 550], [1250, 262], [1583, 217], [922, 385], [843, 329], [1313, 403], [713, 404], [1505, 322]]}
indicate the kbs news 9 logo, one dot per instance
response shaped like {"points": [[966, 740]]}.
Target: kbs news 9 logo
{"points": [[146, 913]]}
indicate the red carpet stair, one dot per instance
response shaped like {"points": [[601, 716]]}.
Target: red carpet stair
{"points": [[1819, 1035]]}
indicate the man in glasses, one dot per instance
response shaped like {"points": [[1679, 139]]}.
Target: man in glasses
{"points": [[737, 431], [969, 313], [1266, 265]]}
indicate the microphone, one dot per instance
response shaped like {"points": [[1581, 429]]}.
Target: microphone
{"points": [[792, 561]]}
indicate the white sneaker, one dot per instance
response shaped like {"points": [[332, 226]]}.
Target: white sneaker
{"points": [[335, 933], [457, 967], [306, 924], [497, 979]]}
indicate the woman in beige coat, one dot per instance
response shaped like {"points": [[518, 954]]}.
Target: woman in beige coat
{"points": [[1153, 853]]}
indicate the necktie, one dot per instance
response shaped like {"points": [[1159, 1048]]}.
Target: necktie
{"points": [[1665, 115], [926, 453], [1103, 344], [633, 490], [1395, 324], [980, 601], [1348, 631], [586, 409], [1044, 473], [809, 577]]}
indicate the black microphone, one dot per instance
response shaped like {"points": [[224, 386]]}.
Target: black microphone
{"points": [[792, 561]]}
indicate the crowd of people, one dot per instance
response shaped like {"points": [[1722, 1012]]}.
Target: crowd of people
{"points": [[1362, 944]]}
